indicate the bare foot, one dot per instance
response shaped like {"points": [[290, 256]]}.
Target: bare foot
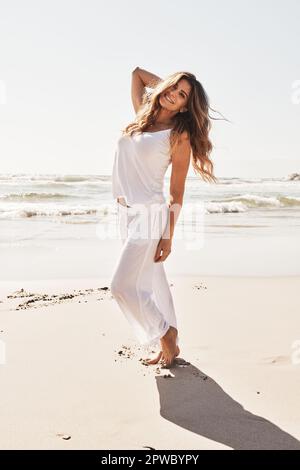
{"points": [[155, 360], [159, 356], [168, 342]]}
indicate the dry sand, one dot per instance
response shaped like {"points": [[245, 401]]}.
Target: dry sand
{"points": [[72, 376]]}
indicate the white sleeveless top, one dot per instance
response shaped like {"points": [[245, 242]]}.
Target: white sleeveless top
{"points": [[140, 164]]}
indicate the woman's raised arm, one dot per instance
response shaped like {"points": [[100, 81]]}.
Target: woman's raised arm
{"points": [[140, 79]]}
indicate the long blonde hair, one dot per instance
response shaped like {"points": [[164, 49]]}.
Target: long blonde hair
{"points": [[196, 121]]}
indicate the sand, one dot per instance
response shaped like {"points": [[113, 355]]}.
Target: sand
{"points": [[72, 374]]}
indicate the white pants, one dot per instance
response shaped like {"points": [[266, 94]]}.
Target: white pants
{"points": [[139, 284]]}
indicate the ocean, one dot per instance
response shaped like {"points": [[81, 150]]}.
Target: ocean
{"points": [[43, 211]]}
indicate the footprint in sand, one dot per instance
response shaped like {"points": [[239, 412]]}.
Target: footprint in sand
{"points": [[37, 300], [200, 286]]}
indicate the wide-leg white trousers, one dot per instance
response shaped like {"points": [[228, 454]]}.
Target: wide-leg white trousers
{"points": [[138, 284]]}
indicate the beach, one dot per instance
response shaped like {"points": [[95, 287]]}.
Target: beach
{"points": [[73, 371], [203, 111], [70, 368]]}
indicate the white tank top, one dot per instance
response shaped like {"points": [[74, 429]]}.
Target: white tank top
{"points": [[140, 164]]}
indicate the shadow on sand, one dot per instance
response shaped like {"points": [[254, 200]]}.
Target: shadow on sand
{"points": [[197, 403]]}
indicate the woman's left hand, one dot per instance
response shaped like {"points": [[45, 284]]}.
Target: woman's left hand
{"points": [[163, 246]]}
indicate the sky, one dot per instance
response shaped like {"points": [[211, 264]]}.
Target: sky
{"points": [[65, 77]]}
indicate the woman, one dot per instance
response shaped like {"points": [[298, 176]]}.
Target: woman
{"points": [[171, 124]]}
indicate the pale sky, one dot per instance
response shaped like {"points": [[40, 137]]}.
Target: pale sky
{"points": [[65, 75]]}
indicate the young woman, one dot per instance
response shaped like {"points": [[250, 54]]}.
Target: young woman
{"points": [[171, 124]]}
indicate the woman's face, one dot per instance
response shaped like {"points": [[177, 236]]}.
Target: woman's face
{"points": [[176, 97]]}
